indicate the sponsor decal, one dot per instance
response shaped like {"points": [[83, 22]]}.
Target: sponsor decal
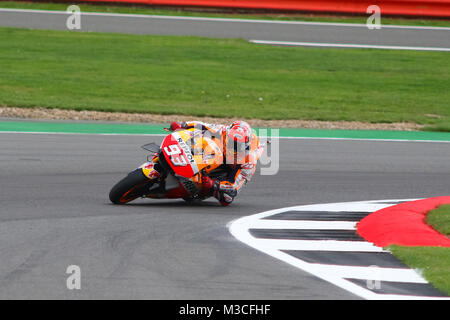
{"points": [[186, 150], [190, 186]]}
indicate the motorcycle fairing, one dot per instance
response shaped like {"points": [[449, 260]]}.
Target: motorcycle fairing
{"points": [[177, 149], [178, 154]]}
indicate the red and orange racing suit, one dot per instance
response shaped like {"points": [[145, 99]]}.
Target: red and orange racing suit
{"points": [[237, 175]]}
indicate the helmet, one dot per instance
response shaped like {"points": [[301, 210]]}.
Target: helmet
{"points": [[237, 142]]}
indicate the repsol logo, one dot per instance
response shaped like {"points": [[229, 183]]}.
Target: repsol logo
{"points": [[186, 149]]}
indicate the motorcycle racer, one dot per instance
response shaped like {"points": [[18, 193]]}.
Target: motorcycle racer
{"points": [[241, 149]]}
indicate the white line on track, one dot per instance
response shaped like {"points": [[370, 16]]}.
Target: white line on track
{"points": [[364, 273], [346, 45], [232, 20], [316, 245], [261, 137], [304, 224], [86, 133], [358, 139], [336, 274]]}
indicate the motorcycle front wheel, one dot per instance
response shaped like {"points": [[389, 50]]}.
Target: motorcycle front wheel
{"points": [[133, 186]]}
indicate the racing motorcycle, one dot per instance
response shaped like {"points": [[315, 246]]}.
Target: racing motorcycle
{"points": [[173, 169]]}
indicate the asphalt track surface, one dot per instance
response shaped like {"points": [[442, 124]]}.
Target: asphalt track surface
{"points": [[306, 32], [54, 189], [55, 212]]}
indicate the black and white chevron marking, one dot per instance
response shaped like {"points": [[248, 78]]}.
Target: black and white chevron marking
{"points": [[322, 239]]}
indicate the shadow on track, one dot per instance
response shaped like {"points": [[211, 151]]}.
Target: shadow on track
{"points": [[174, 204]]}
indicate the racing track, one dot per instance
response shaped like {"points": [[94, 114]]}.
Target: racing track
{"points": [[287, 32], [55, 213], [54, 192]]}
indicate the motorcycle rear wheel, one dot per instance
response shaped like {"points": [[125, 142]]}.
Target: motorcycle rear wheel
{"points": [[133, 186]]}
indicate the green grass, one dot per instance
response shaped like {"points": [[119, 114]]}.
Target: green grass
{"points": [[439, 219], [142, 9], [443, 126], [433, 262], [220, 77]]}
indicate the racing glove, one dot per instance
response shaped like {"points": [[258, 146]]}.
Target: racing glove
{"points": [[176, 125], [224, 192]]}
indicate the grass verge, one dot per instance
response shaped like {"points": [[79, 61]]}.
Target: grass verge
{"points": [[142, 9], [220, 78], [439, 219], [433, 262]]}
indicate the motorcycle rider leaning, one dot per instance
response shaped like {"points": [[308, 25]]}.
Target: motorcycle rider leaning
{"points": [[241, 149]]}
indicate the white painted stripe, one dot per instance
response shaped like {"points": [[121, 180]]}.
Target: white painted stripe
{"points": [[405, 297], [311, 268], [86, 133], [284, 138], [349, 207], [335, 274], [347, 45], [231, 20], [372, 273], [359, 139], [316, 245], [303, 224], [341, 282]]}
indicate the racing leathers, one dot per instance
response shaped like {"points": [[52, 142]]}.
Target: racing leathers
{"points": [[237, 173]]}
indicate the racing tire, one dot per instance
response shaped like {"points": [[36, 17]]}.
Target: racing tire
{"points": [[133, 186]]}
